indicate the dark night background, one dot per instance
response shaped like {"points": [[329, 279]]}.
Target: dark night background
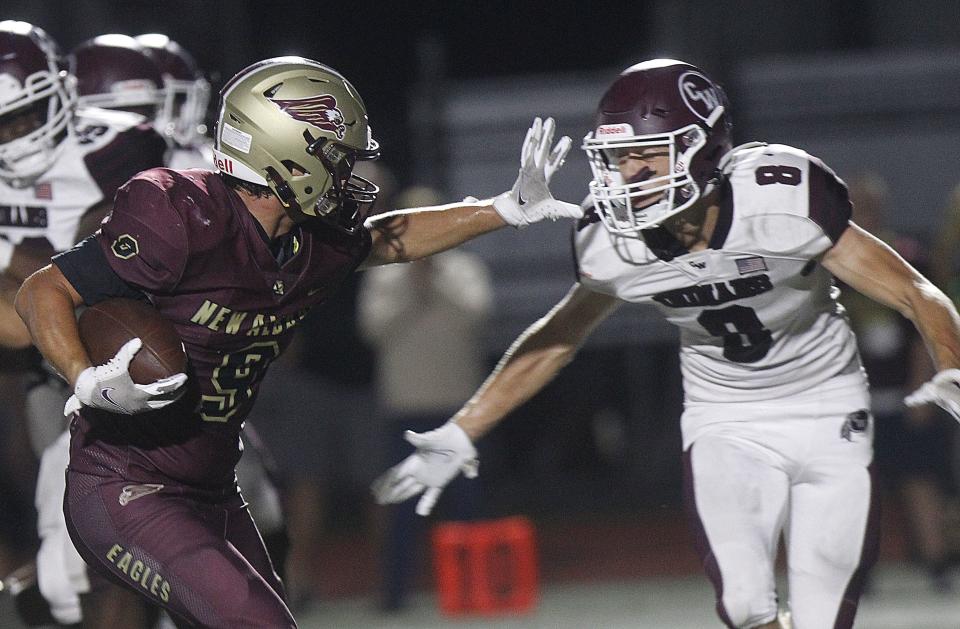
{"points": [[379, 45]]}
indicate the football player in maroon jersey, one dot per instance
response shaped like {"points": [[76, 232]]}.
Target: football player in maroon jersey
{"points": [[234, 259], [154, 76]]}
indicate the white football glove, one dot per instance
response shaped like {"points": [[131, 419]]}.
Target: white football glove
{"points": [[942, 390], [110, 388], [441, 455], [530, 199]]}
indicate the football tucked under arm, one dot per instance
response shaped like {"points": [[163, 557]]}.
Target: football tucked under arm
{"points": [[139, 360]]}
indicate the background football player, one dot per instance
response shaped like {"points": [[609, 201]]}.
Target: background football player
{"points": [[272, 233], [59, 171], [186, 93], [738, 248]]}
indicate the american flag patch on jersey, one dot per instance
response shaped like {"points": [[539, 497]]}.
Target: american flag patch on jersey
{"points": [[43, 191], [751, 264]]}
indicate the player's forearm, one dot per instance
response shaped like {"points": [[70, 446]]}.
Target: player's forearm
{"points": [[406, 235], [524, 370], [938, 322], [47, 308]]}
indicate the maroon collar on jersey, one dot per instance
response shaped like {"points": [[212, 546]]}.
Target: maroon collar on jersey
{"points": [[724, 217], [665, 245]]}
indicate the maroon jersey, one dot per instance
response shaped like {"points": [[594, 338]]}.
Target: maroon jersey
{"points": [[188, 242]]}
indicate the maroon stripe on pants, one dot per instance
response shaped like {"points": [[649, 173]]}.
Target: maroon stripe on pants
{"points": [[700, 541], [868, 557]]}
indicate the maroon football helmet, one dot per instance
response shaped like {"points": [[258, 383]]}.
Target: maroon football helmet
{"points": [[37, 97], [665, 103], [114, 72], [186, 92]]}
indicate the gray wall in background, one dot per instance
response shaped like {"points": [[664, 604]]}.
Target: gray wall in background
{"points": [[894, 114]]}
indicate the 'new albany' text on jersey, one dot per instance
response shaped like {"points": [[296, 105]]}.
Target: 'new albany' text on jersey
{"points": [[758, 314]]}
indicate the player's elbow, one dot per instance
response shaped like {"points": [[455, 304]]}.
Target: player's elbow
{"points": [[32, 293]]}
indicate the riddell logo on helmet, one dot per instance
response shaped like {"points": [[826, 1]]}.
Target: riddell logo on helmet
{"points": [[699, 94], [614, 130], [223, 164], [320, 111]]}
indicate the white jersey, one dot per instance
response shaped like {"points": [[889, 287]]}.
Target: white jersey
{"points": [[758, 314], [106, 149]]}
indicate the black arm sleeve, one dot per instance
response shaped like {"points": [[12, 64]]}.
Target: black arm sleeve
{"points": [[86, 268]]}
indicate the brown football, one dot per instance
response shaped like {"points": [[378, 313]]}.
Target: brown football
{"points": [[106, 326]]}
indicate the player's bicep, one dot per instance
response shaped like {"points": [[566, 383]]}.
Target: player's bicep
{"points": [[873, 268], [49, 279]]}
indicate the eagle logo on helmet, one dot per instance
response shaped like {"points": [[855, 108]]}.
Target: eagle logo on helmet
{"points": [[320, 111]]}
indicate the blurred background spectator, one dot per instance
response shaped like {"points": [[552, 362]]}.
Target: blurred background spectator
{"points": [[912, 445], [425, 321]]}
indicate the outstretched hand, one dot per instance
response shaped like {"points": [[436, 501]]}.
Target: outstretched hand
{"points": [[530, 199], [441, 454], [943, 390]]}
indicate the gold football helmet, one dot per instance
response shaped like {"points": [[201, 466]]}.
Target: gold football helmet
{"points": [[298, 127]]}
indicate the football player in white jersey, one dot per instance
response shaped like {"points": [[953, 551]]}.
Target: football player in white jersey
{"points": [[59, 171], [737, 247]]}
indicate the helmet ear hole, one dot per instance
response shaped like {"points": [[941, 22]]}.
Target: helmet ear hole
{"points": [[282, 188], [270, 92], [294, 168]]}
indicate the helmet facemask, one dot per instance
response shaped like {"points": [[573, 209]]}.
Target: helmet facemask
{"points": [[183, 110], [349, 197], [627, 207], [37, 99]]}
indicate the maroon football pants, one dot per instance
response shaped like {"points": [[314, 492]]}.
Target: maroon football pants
{"points": [[195, 553]]}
